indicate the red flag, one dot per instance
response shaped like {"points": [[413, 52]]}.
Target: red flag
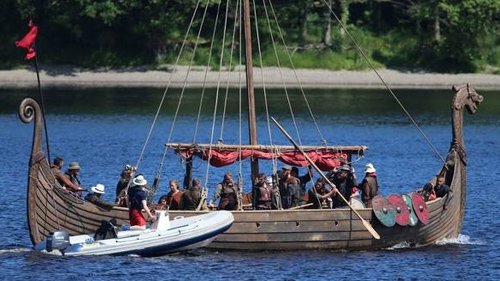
{"points": [[28, 41]]}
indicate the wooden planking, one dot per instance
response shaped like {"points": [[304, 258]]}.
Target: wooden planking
{"points": [[292, 226], [295, 237]]}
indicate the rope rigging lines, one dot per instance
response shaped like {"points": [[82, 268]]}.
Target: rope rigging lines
{"points": [[383, 81]]}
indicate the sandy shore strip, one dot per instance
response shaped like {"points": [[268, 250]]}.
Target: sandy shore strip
{"points": [[64, 76]]}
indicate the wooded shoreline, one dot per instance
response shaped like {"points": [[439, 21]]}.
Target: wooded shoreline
{"points": [[64, 76]]}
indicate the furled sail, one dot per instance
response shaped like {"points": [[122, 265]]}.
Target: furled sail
{"points": [[325, 157]]}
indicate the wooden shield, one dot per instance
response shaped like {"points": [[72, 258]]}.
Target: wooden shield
{"points": [[420, 208], [384, 211], [402, 213], [412, 218]]}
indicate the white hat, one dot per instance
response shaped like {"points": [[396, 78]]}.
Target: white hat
{"points": [[99, 188], [269, 180], [140, 180], [369, 168]]}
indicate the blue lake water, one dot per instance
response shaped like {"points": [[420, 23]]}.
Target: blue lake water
{"points": [[104, 129]]}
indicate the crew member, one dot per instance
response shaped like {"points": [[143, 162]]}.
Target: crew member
{"points": [[227, 191], [369, 186], [137, 202]]}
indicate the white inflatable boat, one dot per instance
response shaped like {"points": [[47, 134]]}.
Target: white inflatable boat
{"points": [[164, 236]]}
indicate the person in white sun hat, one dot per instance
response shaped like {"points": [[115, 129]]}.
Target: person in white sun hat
{"points": [[95, 197], [137, 202], [369, 185]]}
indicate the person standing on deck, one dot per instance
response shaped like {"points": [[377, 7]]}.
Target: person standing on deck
{"points": [[192, 196], [123, 183], [60, 177], [442, 190], [227, 191], [303, 181], [137, 202], [263, 192], [289, 190], [369, 186], [345, 182], [174, 196]]}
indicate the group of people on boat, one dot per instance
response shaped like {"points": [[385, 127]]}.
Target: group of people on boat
{"points": [[282, 190]]}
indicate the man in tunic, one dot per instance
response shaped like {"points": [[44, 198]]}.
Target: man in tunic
{"points": [[123, 184], [303, 180], [191, 197], [137, 202], [174, 196], [344, 181], [441, 188], [319, 193], [263, 192], [72, 174], [289, 190], [227, 191], [369, 185], [60, 177]]}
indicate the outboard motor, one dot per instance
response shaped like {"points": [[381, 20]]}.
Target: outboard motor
{"points": [[58, 240]]}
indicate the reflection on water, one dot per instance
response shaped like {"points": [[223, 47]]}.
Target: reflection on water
{"points": [[104, 129]]}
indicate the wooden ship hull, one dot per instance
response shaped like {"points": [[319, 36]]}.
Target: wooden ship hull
{"points": [[50, 207]]}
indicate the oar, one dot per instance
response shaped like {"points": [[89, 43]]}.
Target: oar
{"points": [[366, 224]]}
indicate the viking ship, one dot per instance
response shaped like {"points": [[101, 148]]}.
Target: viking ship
{"points": [[50, 207]]}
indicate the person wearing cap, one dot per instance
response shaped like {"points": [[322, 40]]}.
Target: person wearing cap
{"points": [[72, 175], [122, 184], [95, 197], [345, 182], [227, 191], [369, 185], [263, 192], [137, 202]]}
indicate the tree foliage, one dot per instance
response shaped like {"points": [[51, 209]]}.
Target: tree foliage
{"points": [[444, 35]]}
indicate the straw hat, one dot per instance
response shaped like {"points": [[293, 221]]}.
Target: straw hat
{"points": [[99, 188], [74, 166], [369, 168], [287, 167], [140, 180]]}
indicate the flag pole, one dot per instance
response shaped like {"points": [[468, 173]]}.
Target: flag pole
{"points": [[43, 108]]}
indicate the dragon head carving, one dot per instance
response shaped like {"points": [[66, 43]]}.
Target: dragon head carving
{"points": [[466, 96]]}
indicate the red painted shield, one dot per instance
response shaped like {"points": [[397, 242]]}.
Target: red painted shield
{"points": [[420, 208], [402, 213], [384, 211]]}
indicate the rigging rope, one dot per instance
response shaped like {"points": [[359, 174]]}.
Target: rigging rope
{"points": [[217, 92], [295, 73], [262, 75], [229, 70], [168, 86], [164, 155], [281, 73], [206, 75], [383, 81]]}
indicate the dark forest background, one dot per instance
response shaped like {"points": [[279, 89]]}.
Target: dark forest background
{"points": [[431, 35]]}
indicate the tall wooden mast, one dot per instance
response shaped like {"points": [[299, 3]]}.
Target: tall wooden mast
{"points": [[252, 124]]}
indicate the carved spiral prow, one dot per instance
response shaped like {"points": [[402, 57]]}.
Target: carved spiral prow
{"points": [[29, 110]]}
